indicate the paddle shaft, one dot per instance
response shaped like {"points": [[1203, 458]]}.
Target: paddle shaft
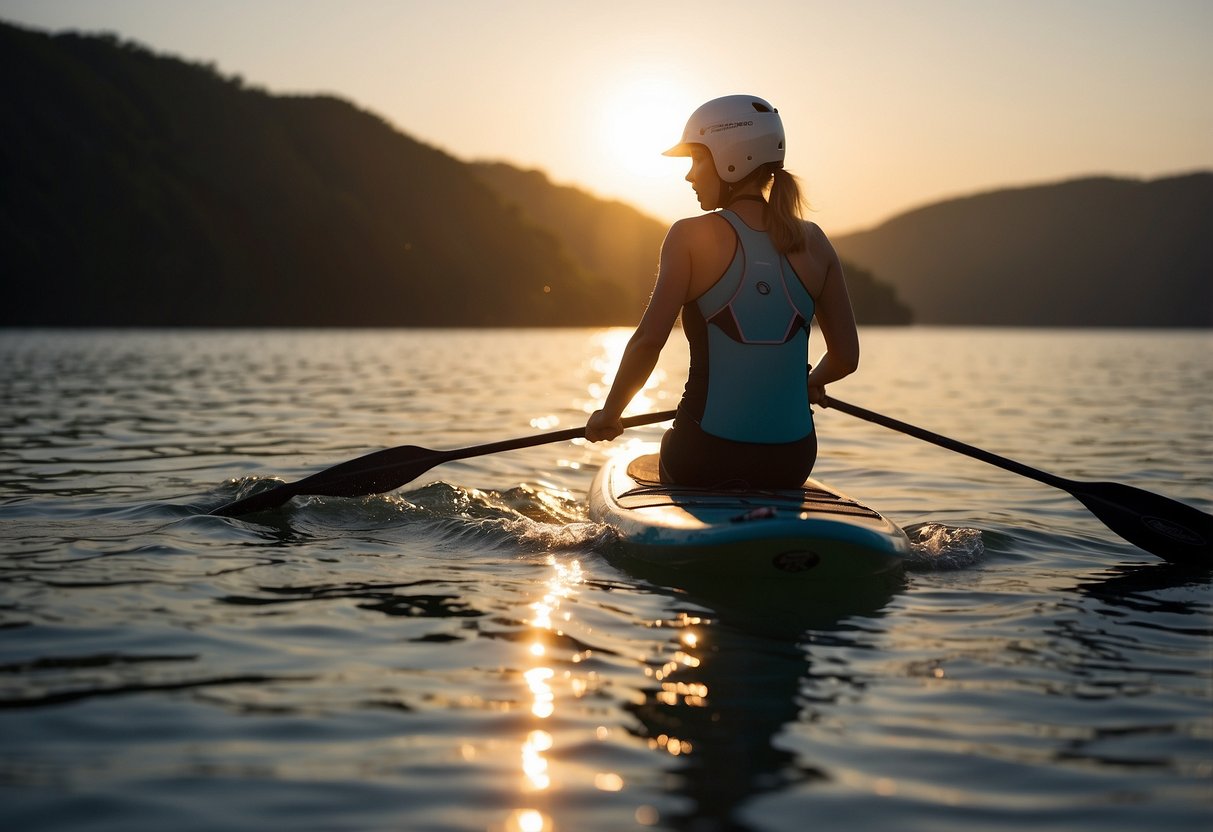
{"points": [[1162, 526], [388, 469], [549, 438], [950, 444]]}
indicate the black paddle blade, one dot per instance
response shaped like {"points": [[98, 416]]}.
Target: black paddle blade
{"points": [[261, 501], [1162, 526], [374, 473]]}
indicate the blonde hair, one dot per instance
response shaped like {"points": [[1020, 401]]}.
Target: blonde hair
{"points": [[785, 206]]}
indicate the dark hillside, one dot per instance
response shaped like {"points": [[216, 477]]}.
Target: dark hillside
{"points": [[144, 190], [608, 238], [621, 244], [1091, 252]]}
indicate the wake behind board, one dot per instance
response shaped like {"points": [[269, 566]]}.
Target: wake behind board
{"points": [[812, 534]]}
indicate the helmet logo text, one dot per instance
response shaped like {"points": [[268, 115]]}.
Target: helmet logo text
{"points": [[724, 125]]}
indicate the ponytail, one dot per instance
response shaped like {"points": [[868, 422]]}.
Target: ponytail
{"points": [[783, 213]]}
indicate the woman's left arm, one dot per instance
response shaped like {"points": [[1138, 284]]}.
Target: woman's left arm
{"points": [[836, 320]]}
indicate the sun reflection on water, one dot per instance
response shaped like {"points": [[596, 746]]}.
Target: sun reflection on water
{"points": [[545, 622], [557, 672], [528, 820], [675, 693], [544, 701], [565, 578], [611, 343], [534, 764]]}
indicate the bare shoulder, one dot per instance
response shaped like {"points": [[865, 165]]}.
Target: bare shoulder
{"points": [[816, 261], [702, 245], [705, 238], [816, 240], [697, 229]]}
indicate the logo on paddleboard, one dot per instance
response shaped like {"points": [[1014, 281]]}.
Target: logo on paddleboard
{"points": [[797, 561]]}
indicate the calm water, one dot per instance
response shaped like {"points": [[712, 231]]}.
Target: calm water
{"points": [[460, 655]]}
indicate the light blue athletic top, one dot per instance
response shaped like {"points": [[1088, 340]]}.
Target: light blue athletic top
{"points": [[749, 337]]}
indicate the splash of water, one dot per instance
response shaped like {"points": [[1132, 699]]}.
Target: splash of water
{"points": [[938, 547], [526, 518]]}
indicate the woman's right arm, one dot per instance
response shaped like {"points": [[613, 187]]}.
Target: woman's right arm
{"points": [[644, 348]]}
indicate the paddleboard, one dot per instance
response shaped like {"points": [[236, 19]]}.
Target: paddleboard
{"points": [[813, 534]]}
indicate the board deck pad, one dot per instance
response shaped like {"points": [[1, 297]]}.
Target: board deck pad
{"points": [[652, 492]]}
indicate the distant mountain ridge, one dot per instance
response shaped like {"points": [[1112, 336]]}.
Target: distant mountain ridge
{"points": [[616, 241], [140, 189], [1098, 251], [608, 238], [143, 190]]}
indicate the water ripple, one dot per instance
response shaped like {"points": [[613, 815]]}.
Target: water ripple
{"points": [[465, 654]]}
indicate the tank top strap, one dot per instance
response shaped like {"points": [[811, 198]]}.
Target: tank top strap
{"points": [[757, 244], [752, 246], [757, 269]]}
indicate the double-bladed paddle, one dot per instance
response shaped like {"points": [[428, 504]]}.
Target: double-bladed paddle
{"points": [[391, 468], [1159, 525], [1162, 526]]}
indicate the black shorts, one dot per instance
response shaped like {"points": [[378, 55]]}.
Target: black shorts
{"points": [[689, 456]]}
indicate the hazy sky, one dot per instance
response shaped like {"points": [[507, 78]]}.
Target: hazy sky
{"points": [[888, 105]]}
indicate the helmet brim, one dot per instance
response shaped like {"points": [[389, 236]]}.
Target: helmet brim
{"points": [[680, 149]]}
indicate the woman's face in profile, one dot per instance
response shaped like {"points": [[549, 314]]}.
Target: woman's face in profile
{"points": [[704, 179]]}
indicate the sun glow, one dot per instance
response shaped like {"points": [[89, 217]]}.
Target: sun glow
{"points": [[641, 118]]}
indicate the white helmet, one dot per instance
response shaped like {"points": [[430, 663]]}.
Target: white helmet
{"points": [[742, 132]]}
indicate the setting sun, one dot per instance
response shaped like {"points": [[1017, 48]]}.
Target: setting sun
{"points": [[640, 119]]}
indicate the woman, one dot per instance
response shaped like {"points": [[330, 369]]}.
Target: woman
{"points": [[748, 279]]}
